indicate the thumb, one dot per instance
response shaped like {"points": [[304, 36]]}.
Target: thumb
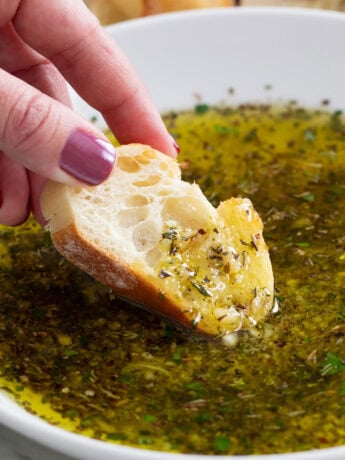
{"points": [[48, 138]]}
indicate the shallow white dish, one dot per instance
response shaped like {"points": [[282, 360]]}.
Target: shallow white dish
{"points": [[265, 55]]}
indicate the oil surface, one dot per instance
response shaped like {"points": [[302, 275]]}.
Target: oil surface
{"points": [[75, 355]]}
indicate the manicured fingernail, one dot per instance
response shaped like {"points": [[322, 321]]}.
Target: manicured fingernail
{"points": [[175, 144], [87, 158]]}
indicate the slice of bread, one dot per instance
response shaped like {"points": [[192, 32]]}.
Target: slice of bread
{"points": [[157, 241]]}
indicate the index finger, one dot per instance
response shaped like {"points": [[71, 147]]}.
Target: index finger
{"points": [[69, 35]]}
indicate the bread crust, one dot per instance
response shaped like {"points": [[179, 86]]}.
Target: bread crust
{"points": [[117, 275]]}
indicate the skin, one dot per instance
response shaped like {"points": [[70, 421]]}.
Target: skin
{"points": [[43, 45]]}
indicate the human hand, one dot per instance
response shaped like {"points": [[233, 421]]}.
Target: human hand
{"points": [[43, 45]]}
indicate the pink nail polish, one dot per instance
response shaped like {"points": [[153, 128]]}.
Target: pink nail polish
{"points": [[87, 158], [175, 144]]}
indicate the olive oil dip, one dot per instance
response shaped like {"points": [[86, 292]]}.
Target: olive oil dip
{"points": [[74, 354]]}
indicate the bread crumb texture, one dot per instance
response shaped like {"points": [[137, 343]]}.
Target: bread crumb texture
{"points": [[156, 240]]}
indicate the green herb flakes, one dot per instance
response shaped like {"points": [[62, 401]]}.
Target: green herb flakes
{"points": [[201, 108], [309, 135], [176, 356], [221, 444], [332, 365], [306, 196], [204, 416], [251, 135], [221, 129], [149, 418]]}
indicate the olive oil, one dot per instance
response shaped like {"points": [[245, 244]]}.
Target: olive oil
{"points": [[74, 354]]}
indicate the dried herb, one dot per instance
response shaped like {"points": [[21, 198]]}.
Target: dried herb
{"points": [[199, 287], [332, 365], [201, 108], [251, 135], [221, 129], [221, 444], [337, 120], [164, 274], [306, 196], [171, 234], [309, 134]]}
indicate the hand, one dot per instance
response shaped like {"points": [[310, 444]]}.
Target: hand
{"points": [[43, 45]]}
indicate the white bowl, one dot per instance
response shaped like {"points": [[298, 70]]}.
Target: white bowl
{"points": [[299, 53]]}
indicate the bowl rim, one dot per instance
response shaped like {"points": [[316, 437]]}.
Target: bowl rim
{"points": [[247, 11]]}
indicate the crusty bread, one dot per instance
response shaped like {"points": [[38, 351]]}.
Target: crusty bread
{"points": [[157, 241], [109, 11]]}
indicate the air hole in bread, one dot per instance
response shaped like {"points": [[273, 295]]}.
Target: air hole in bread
{"points": [[151, 180], [150, 154], [163, 166], [129, 217], [189, 215], [127, 164], [165, 192], [146, 236], [142, 159], [153, 256], [136, 201]]}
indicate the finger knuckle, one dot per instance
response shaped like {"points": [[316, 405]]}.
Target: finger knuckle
{"points": [[70, 57], [26, 120], [8, 11]]}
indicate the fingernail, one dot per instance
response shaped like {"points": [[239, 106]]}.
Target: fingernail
{"points": [[87, 158], [175, 144]]}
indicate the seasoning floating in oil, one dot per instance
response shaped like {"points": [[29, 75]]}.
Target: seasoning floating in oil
{"points": [[74, 354]]}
